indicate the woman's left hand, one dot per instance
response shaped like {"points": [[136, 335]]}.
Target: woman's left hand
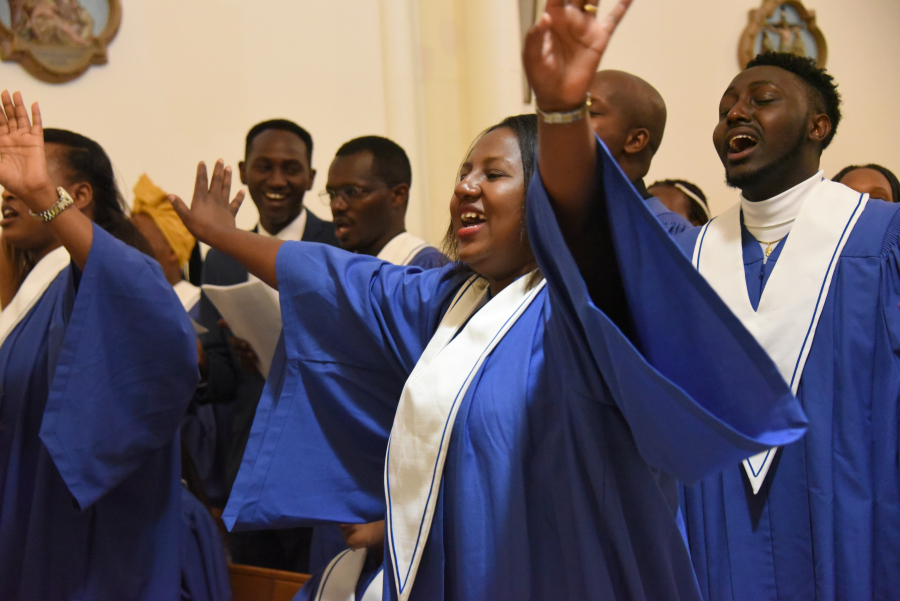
{"points": [[563, 50], [23, 165]]}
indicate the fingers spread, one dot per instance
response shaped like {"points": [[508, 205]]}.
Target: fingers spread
{"points": [[226, 182], [180, 208], [22, 120], [615, 15], [9, 111], [38, 124], [201, 181], [215, 182], [236, 203]]}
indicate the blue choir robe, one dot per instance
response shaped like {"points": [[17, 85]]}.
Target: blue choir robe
{"points": [[671, 221], [429, 258], [826, 524], [327, 541], [559, 480], [95, 379], [370, 570], [204, 567]]}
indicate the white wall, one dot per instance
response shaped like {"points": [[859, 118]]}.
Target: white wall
{"points": [[188, 78]]}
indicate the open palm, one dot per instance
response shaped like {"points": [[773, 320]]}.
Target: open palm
{"points": [[210, 208], [563, 50], [23, 165]]}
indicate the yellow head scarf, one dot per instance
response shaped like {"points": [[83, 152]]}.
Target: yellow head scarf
{"points": [[150, 200]]}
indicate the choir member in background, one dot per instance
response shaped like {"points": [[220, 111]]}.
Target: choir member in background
{"points": [[629, 115], [99, 361], [812, 268], [874, 180], [683, 197]]}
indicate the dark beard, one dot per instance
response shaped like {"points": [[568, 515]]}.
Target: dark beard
{"points": [[748, 180]]}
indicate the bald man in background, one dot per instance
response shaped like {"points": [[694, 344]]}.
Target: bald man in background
{"points": [[629, 115]]}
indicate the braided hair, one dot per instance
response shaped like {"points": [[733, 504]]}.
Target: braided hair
{"points": [[86, 161]]}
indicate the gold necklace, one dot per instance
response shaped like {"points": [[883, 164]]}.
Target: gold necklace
{"points": [[770, 246]]}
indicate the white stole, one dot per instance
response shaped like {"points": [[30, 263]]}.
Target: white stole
{"points": [[785, 322], [31, 290], [428, 406], [402, 248], [342, 575]]}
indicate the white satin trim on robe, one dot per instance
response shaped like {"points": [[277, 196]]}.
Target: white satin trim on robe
{"points": [[785, 322], [428, 406], [342, 575], [402, 248], [34, 286]]}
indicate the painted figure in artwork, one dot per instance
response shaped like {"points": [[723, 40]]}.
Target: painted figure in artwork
{"points": [[788, 35], [64, 22]]}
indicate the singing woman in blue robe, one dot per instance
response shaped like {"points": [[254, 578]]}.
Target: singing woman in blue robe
{"points": [[530, 406], [97, 365]]}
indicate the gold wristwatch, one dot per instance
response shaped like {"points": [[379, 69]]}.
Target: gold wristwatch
{"points": [[65, 201]]}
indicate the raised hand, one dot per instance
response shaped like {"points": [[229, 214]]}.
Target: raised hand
{"points": [[23, 165], [563, 50], [210, 212]]}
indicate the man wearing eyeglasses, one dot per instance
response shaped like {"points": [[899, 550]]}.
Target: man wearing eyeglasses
{"points": [[277, 170], [368, 192]]}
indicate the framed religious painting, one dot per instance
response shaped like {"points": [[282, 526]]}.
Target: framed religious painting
{"points": [[782, 26], [57, 40]]}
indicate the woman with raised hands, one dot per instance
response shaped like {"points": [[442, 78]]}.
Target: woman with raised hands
{"points": [[97, 365], [530, 405]]}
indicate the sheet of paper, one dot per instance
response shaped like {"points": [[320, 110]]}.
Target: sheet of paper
{"points": [[197, 327], [252, 312]]}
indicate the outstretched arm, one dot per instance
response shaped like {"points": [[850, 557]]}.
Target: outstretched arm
{"points": [[23, 172], [211, 220], [561, 55]]}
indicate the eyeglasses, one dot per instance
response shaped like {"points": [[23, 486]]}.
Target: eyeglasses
{"points": [[350, 193]]}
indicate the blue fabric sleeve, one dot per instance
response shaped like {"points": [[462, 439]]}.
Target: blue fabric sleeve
{"points": [[429, 258], [124, 375], [354, 328], [697, 390], [671, 221]]}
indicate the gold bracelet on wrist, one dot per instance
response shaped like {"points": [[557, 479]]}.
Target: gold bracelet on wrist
{"points": [[565, 117], [65, 201]]}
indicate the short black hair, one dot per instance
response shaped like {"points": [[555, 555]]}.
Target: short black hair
{"points": [[887, 173], [283, 125], [825, 96], [389, 161]]}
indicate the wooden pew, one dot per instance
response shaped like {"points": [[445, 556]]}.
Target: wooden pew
{"points": [[249, 583]]}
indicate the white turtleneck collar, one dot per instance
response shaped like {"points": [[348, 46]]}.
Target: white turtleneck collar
{"points": [[770, 220]]}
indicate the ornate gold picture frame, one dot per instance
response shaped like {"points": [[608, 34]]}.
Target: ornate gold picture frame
{"points": [[782, 26], [57, 40]]}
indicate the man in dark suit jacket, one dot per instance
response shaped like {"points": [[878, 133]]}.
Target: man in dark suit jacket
{"points": [[277, 172]]}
